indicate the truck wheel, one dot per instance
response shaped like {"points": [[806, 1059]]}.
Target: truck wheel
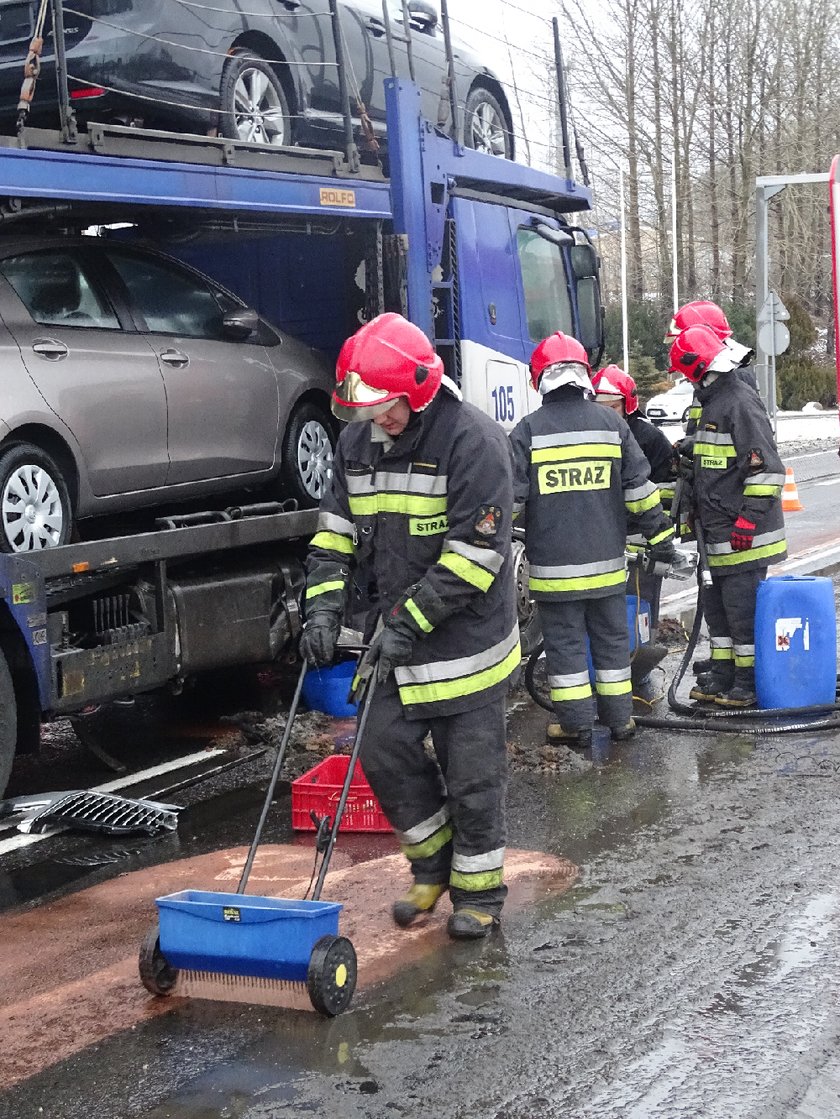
{"points": [[530, 633], [307, 454], [486, 126], [253, 102], [8, 724], [35, 507]]}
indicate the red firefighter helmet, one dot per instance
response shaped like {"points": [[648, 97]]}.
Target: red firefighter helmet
{"points": [[613, 381], [553, 350], [700, 312], [385, 359], [695, 351]]}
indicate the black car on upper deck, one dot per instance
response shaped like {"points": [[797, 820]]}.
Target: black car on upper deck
{"points": [[265, 71]]}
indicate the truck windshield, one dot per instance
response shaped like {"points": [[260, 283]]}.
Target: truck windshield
{"points": [[547, 304]]}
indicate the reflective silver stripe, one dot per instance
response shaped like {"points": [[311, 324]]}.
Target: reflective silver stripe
{"points": [[744, 650], [331, 522], [484, 557], [518, 506], [721, 438], [572, 438], [463, 666], [636, 538], [423, 830], [398, 482], [360, 484], [575, 570], [473, 864], [612, 675], [720, 642], [765, 480], [758, 542], [569, 680], [639, 492]]}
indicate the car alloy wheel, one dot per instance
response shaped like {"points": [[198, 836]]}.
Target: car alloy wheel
{"points": [[486, 126], [307, 454], [34, 502], [254, 104]]}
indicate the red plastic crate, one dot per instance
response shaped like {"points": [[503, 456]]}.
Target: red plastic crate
{"points": [[320, 789]]}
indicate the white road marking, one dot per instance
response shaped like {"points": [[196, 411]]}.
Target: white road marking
{"points": [[828, 482], [15, 842]]}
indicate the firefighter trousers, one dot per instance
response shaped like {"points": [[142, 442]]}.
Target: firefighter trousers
{"points": [[446, 806], [565, 625], [729, 609]]}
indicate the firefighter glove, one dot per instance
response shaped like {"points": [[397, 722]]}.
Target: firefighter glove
{"points": [[742, 534], [395, 648], [320, 634], [664, 552], [684, 449]]}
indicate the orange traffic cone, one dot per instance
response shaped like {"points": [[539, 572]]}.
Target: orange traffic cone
{"points": [[790, 494]]}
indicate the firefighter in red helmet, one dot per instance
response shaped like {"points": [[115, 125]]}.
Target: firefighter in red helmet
{"points": [[421, 501], [578, 472], [738, 478]]}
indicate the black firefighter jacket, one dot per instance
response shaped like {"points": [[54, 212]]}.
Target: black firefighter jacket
{"points": [[737, 470], [430, 516], [578, 473]]}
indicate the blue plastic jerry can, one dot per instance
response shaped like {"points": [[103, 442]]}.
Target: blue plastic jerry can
{"points": [[795, 642]]}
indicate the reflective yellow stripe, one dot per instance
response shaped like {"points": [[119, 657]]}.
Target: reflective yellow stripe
{"points": [[333, 542], [418, 615], [582, 450], [463, 685], [621, 687], [483, 880], [714, 450], [579, 582], [580, 691], [730, 559], [429, 846], [465, 569], [752, 490], [660, 536], [324, 588], [374, 503], [721, 654], [645, 503], [695, 411], [744, 662]]}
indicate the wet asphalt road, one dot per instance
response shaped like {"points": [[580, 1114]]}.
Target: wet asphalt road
{"points": [[692, 971]]}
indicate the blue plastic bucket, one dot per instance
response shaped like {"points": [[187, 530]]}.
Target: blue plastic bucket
{"points": [[326, 689], [242, 934], [795, 642]]}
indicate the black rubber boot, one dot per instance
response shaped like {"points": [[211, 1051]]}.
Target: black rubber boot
{"points": [[621, 734], [419, 901], [742, 692], [701, 668], [713, 684], [579, 738], [471, 924]]}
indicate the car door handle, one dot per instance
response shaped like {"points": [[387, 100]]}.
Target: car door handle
{"points": [[375, 26], [174, 358], [50, 348], [291, 5]]}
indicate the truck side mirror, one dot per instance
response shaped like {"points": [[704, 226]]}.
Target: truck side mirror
{"points": [[584, 261], [590, 315]]}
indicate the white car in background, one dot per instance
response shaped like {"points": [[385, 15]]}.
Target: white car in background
{"points": [[671, 406]]}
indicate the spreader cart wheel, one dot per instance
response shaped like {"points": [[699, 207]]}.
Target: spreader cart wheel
{"points": [[331, 976], [156, 975]]}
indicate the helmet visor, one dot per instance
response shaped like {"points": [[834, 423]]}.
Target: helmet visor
{"points": [[354, 400]]}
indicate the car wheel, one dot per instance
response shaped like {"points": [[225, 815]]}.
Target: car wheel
{"points": [[253, 102], [685, 416], [35, 507], [486, 126], [307, 456]]}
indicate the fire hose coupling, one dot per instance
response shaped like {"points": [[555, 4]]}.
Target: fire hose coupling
{"points": [[682, 565]]}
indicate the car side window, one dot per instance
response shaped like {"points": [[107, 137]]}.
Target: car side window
{"points": [[168, 300], [53, 287]]}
